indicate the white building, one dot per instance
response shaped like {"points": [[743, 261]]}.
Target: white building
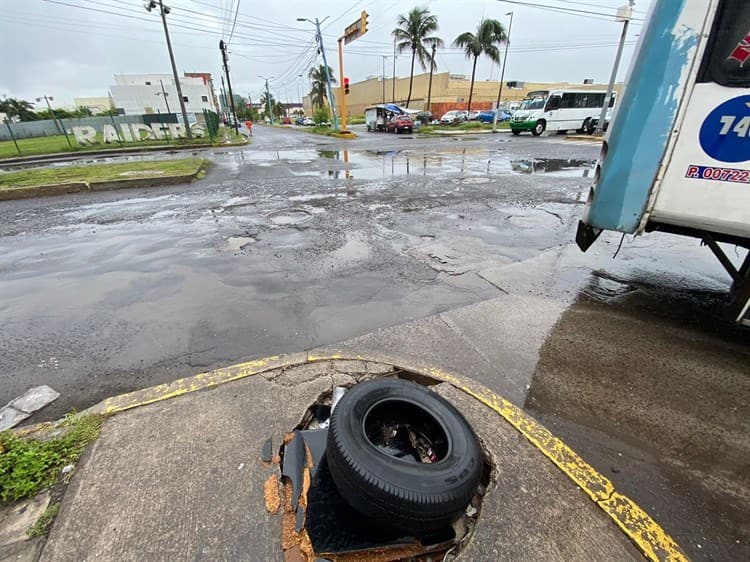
{"points": [[138, 94]]}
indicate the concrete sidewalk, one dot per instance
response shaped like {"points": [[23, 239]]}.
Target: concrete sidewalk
{"points": [[181, 478]]}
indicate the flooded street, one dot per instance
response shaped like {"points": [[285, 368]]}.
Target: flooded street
{"points": [[299, 241]]}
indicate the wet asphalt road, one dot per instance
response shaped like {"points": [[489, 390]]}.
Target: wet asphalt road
{"points": [[298, 241], [275, 251]]}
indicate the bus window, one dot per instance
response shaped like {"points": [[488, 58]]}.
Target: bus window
{"points": [[727, 58], [553, 103]]}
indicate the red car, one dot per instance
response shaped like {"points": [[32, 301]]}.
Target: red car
{"points": [[286, 121], [400, 124]]}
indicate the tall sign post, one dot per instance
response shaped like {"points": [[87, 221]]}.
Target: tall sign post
{"points": [[352, 32]]}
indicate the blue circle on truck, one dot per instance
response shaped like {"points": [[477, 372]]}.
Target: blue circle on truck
{"points": [[725, 134]]}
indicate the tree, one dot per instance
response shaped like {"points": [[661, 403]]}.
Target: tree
{"points": [[107, 113], [56, 113], [22, 109], [269, 103], [82, 111], [279, 109], [489, 36], [319, 92], [413, 32]]}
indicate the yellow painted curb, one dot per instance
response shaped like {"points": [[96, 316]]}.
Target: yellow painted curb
{"points": [[644, 531]]}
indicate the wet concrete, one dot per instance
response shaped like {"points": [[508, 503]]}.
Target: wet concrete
{"points": [[300, 241], [103, 293]]}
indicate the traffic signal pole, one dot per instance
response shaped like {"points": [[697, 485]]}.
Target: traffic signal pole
{"points": [[342, 93]]}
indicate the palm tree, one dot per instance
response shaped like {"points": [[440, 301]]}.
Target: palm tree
{"points": [[413, 32], [269, 104], [319, 92], [22, 109], [489, 36]]}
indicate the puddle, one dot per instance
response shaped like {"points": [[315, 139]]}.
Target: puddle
{"points": [[141, 173], [236, 243], [288, 216], [571, 167]]}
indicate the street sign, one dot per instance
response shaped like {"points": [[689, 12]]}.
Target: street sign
{"points": [[356, 29]]}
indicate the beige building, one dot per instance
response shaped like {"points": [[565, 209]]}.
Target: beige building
{"points": [[449, 91], [96, 105]]}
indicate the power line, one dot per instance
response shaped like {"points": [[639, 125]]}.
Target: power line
{"points": [[234, 23], [569, 11]]}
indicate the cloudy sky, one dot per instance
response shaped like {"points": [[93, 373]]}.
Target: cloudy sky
{"points": [[71, 48]]}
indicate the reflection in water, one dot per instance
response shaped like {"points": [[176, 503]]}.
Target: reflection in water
{"points": [[546, 165]]}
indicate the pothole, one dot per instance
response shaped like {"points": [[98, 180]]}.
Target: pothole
{"points": [[236, 243], [288, 216], [475, 181], [333, 462]]}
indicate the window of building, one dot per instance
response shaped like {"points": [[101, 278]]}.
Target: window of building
{"points": [[727, 57], [148, 83], [185, 99], [204, 98]]}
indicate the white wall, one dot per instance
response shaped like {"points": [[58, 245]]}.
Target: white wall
{"points": [[132, 93]]}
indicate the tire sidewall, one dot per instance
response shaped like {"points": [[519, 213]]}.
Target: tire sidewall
{"points": [[370, 480], [539, 128]]}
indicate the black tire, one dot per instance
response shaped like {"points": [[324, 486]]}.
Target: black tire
{"points": [[385, 477], [539, 128], [588, 126], [515, 132]]}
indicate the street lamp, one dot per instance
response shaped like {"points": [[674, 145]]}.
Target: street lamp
{"points": [[269, 107], [58, 123], [163, 11], [319, 37], [502, 73]]}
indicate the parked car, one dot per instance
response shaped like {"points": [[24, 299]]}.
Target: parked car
{"points": [[472, 115], [299, 121], [453, 117], [400, 124], [308, 122], [488, 116], [423, 117], [286, 120]]}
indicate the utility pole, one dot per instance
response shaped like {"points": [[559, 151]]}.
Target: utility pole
{"points": [[164, 94], [269, 105], [163, 11], [224, 105], [393, 80], [432, 68], [623, 14], [502, 73], [384, 57], [319, 35], [225, 60]]}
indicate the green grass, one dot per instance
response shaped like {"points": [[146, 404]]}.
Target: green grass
{"points": [[470, 126], [29, 465], [328, 132], [57, 143], [99, 172], [356, 120], [45, 520]]}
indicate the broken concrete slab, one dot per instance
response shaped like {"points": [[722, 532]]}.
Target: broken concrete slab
{"points": [[17, 518], [118, 506], [18, 409]]}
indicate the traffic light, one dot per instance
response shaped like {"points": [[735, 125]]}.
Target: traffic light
{"points": [[346, 86], [363, 22]]}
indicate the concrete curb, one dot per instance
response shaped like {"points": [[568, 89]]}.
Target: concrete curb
{"points": [[107, 153], [79, 187], [645, 532]]}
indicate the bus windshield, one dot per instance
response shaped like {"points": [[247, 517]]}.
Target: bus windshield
{"points": [[535, 102]]}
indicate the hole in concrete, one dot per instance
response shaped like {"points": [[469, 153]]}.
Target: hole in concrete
{"points": [[318, 524]]}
